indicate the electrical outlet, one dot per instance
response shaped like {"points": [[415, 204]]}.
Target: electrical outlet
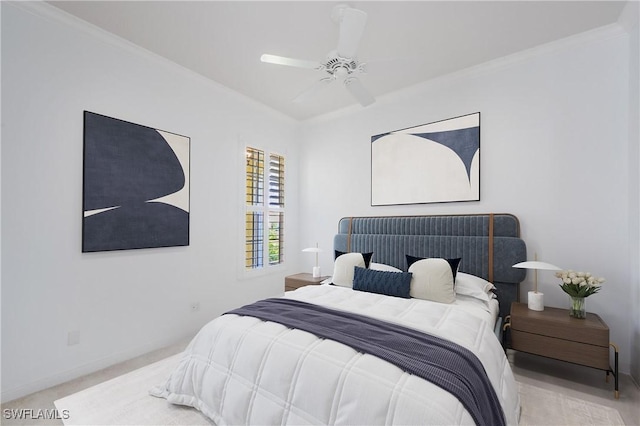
{"points": [[73, 337], [195, 306]]}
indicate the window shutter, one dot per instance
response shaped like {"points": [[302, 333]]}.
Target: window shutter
{"points": [[261, 214]]}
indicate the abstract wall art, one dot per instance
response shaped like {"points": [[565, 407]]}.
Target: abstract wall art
{"points": [[135, 186], [432, 163]]}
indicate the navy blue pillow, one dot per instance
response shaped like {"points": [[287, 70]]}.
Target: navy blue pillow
{"points": [[396, 284], [454, 263]]}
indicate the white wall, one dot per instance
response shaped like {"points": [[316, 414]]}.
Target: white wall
{"points": [[554, 149], [630, 19], [129, 302]]}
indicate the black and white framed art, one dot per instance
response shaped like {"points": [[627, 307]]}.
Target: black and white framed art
{"points": [[135, 186], [431, 163]]}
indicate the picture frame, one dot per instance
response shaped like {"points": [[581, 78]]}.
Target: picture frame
{"points": [[136, 189], [437, 162]]}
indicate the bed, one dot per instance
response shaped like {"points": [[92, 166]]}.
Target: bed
{"points": [[331, 354], [488, 245]]}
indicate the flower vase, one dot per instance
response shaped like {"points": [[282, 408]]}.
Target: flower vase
{"points": [[578, 309]]}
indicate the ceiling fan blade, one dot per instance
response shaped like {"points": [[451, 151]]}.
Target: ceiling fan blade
{"points": [[311, 91], [358, 91], [351, 28], [298, 63]]}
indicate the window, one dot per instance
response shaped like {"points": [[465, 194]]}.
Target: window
{"points": [[264, 213]]}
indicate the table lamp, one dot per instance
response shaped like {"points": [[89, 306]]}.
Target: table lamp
{"points": [[535, 298], [316, 250]]}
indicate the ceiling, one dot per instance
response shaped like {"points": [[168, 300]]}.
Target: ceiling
{"points": [[404, 43]]}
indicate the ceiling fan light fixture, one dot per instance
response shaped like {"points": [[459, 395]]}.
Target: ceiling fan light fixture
{"points": [[341, 72]]}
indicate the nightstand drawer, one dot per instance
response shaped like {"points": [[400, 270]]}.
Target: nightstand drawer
{"points": [[561, 349], [555, 322]]}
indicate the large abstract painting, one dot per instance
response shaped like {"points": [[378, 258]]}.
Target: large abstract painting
{"points": [[136, 186], [432, 163]]}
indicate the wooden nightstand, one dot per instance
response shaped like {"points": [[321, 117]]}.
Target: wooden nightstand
{"points": [[293, 282], [554, 334]]}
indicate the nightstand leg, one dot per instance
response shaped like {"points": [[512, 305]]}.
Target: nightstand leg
{"points": [[507, 325], [616, 392]]}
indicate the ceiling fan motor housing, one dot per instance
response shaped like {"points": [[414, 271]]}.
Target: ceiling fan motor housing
{"points": [[341, 67]]}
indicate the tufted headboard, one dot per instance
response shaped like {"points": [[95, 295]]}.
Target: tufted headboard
{"points": [[489, 244]]}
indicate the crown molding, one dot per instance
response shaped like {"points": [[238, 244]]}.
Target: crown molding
{"points": [[598, 34], [44, 10], [627, 20]]}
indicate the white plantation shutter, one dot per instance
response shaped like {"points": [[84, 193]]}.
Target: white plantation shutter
{"points": [[264, 214]]}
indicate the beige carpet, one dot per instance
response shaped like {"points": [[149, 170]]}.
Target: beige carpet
{"points": [[125, 401], [544, 407]]}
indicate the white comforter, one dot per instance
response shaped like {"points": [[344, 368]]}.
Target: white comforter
{"points": [[241, 370]]}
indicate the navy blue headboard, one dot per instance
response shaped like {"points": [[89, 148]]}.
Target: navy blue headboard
{"points": [[489, 244]]}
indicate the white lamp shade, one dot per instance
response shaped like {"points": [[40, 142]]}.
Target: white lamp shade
{"points": [[534, 264], [312, 250]]}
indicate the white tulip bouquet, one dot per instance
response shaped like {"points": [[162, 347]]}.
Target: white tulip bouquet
{"points": [[579, 284]]}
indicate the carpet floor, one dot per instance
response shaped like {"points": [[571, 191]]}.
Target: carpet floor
{"points": [[124, 400], [545, 407]]}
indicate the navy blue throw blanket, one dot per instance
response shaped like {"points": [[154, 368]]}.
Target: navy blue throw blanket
{"points": [[447, 365]]}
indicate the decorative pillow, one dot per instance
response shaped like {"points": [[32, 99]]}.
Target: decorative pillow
{"points": [[396, 284], [343, 268], [453, 262], [471, 285], [432, 280], [382, 267], [365, 256]]}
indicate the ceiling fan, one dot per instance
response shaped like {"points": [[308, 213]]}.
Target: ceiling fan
{"points": [[341, 64]]}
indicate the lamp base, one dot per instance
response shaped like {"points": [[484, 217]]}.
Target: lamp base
{"points": [[316, 272], [536, 301]]}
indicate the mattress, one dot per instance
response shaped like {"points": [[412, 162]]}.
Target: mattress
{"points": [[244, 370]]}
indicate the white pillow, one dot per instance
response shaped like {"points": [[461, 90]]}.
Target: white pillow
{"points": [[432, 280], [471, 285], [344, 267], [383, 267]]}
